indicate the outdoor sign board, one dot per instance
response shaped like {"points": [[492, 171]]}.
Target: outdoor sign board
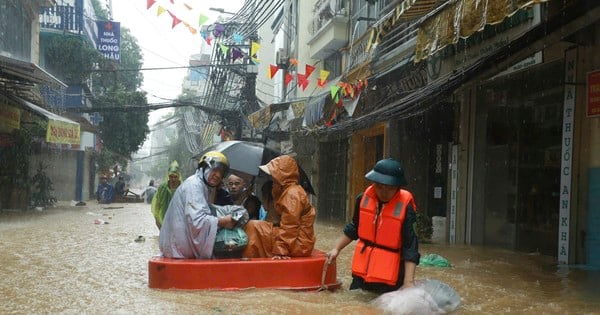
{"points": [[593, 93], [109, 40]]}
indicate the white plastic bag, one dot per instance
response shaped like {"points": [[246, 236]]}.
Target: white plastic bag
{"points": [[426, 297]]}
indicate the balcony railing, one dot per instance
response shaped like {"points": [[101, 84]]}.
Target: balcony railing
{"points": [[77, 17], [325, 11]]}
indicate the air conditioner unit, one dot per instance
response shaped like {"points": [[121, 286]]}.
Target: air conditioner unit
{"points": [[281, 57]]}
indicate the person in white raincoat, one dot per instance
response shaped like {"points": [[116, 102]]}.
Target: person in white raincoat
{"points": [[189, 229]]}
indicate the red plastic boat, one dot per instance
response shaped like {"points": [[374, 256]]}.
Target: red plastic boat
{"points": [[301, 273]]}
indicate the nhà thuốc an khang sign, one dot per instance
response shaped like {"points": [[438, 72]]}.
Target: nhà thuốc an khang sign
{"points": [[109, 40]]}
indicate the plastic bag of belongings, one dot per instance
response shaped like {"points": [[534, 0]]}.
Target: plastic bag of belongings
{"points": [[426, 297], [229, 243]]}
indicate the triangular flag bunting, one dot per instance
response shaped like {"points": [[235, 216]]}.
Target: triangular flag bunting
{"points": [[206, 37], [334, 91], [236, 54], [301, 78], [219, 28], [272, 70], [160, 10], [253, 51], [176, 20], [302, 81], [237, 38], [288, 79], [192, 29], [224, 49], [321, 83], [187, 6], [323, 75], [309, 70], [202, 19], [150, 3], [294, 61]]}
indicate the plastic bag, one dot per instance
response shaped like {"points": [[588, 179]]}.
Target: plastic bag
{"points": [[426, 297], [229, 242], [434, 260], [238, 213]]}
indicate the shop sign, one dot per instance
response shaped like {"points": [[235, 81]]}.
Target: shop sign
{"points": [[10, 117], [593, 93], [109, 39], [453, 192], [62, 132], [567, 156]]}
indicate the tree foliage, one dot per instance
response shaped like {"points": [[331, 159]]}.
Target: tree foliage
{"points": [[75, 61]]}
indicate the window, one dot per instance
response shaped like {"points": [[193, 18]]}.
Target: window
{"points": [[15, 29]]}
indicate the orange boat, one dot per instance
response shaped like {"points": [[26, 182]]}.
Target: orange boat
{"points": [[299, 273]]}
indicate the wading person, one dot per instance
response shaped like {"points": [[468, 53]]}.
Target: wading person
{"points": [[189, 229], [293, 235], [164, 193], [149, 192], [104, 192], [387, 251]]}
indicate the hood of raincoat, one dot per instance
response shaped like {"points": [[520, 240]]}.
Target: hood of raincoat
{"points": [[284, 171], [173, 169]]}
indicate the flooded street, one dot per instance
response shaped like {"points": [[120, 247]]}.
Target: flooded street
{"points": [[60, 261]]}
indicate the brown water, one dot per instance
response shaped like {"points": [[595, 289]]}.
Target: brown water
{"points": [[59, 261]]}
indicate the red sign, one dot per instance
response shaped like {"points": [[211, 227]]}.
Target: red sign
{"points": [[6, 140], [593, 94]]}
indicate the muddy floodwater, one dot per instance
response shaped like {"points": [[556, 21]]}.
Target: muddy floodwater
{"points": [[60, 261]]}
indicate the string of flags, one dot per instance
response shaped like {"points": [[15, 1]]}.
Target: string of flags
{"points": [[181, 12]]}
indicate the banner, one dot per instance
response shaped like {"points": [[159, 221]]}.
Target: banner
{"points": [[109, 40], [62, 132], [10, 117], [593, 93]]}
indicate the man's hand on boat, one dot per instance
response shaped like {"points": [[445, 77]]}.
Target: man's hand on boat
{"points": [[278, 257], [226, 222]]}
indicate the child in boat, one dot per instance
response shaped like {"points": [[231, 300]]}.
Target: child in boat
{"points": [[288, 229]]}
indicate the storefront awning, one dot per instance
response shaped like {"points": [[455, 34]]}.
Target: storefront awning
{"points": [[461, 19], [60, 129], [261, 118], [410, 9], [28, 71]]}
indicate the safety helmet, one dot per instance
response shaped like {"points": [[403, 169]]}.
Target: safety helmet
{"points": [[387, 172], [214, 159]]}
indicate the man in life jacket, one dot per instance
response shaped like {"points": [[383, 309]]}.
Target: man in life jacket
{"points": [[387, 251]]}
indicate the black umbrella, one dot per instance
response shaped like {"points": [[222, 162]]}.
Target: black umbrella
{"points": [[246, 157]]}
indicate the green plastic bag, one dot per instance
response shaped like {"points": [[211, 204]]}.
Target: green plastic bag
{"points": [[434, 260], [230, 243]]}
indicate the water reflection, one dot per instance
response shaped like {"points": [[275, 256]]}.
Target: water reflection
{"points": [[59, 261]]}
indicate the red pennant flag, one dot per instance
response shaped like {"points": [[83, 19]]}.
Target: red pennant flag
{"points": [[309, 70], [302, 81], [331, 119], [288, 79], [272, 70], [301, 78], [150, 3], [175, 19], [321, 83]]}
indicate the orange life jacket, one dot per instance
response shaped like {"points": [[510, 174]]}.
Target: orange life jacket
{"points": [[377, 253]]}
